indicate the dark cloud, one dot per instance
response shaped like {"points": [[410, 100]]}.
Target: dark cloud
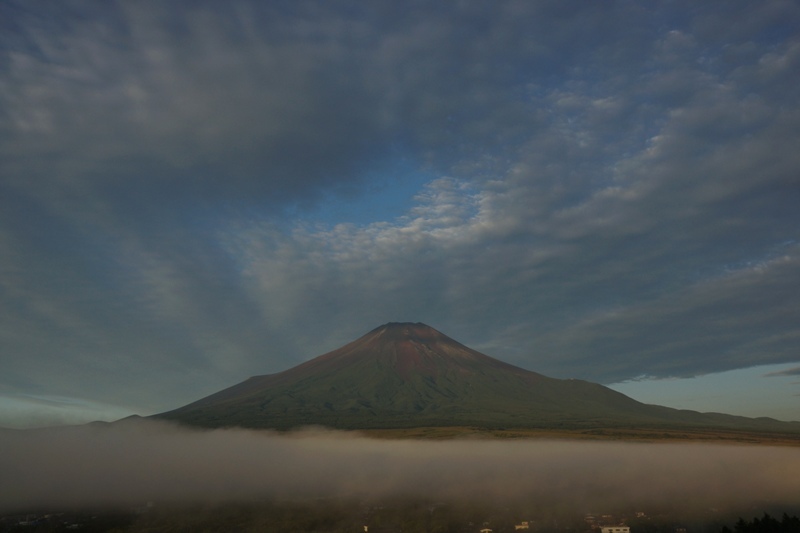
{"points": [[612, 189], [154, 462], [147, 104]]}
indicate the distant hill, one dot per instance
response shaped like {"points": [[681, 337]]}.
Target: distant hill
{"points": [[409, 375]]}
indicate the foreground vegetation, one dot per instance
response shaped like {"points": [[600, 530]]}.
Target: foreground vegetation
{"points": [[407, 516], [765, 524]]}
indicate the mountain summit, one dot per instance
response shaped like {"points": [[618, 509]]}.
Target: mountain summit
{"points": [[407, 375]]}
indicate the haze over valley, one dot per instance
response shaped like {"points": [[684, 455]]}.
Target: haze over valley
{"points": [[132, 463]]}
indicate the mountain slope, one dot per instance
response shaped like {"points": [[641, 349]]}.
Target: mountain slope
{"points": [[404, 375]]}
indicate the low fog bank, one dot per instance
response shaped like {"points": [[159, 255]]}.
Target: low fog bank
{"points": [[154, 461]]}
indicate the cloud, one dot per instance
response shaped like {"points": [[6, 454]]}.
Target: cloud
{"points": [[613, 189], [693, 331], [26, 411], [186, 103], [135, 462], [787, 372]]}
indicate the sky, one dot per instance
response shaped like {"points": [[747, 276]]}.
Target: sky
{"points": [[193, 193]]}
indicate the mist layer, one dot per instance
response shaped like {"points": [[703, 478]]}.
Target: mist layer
{"points": [[126, 464]]}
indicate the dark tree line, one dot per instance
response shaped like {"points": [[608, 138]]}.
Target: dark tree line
{"points": [[766, 524]]}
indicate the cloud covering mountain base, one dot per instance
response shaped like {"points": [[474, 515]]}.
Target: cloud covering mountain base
{"points": [[148, 461]]}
